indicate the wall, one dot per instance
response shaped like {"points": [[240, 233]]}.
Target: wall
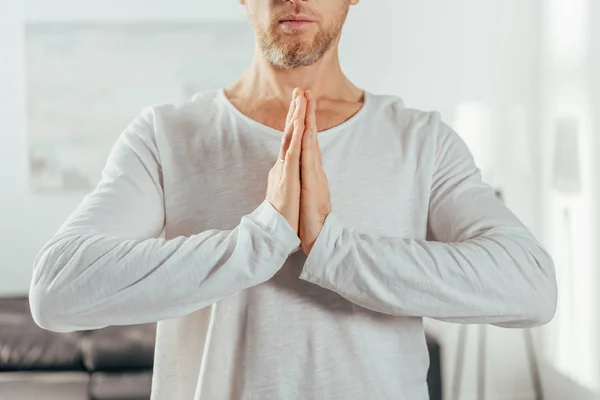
{"points": [[434, 53], [29, 220], [570, 84], [594, 65]]}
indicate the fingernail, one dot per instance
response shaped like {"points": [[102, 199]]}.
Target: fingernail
{"points": [[298, 101]]}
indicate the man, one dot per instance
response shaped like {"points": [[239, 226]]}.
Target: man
{"points": [[374, 217]]}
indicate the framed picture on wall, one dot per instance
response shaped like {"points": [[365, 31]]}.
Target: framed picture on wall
{"points": [[86, 82]]}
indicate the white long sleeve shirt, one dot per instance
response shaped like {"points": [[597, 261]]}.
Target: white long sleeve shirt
{"points": [[178, 232]]}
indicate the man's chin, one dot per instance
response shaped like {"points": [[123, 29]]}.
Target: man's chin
{"points": [[294, 49], [292, 52], [289, 61], [294, 41]]}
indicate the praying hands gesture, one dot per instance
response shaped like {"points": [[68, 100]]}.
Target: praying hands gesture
{"points": [[315, 203], [298, 187]]}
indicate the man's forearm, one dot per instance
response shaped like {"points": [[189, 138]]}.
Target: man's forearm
{"points": [[503, 278], [88, 281]]}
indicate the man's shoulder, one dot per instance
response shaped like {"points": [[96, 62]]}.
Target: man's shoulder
{"points": [[188, 108], [406, 120], [179, 119]]}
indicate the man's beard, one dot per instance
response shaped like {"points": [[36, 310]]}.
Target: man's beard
{"points": [[288, 52], [285, 53]]}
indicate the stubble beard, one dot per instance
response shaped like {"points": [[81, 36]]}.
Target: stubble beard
{"points": [[288, 52]]}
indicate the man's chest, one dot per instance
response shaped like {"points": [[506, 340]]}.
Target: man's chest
{"points": [[329, 113], [373, 189]]}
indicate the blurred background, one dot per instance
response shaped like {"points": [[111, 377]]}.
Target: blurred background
{"points": [[518, 79]]}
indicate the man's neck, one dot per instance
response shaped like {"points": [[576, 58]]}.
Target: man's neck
{"points": [[325, 79]]}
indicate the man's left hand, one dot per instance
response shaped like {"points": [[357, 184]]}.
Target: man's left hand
{"points": [[315, 203]]}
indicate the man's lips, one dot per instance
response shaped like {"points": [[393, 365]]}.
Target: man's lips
{"points": [[296, 18], [296, 21]]}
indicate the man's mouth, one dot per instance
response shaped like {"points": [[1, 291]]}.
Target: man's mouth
{"points": [[296, 21]]}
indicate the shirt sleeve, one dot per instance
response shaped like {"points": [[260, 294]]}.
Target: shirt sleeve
{"points": [[107, 264], [482, 265]]}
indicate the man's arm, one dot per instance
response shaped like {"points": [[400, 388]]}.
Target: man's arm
{"points": [[107, 266], [484, 267]]}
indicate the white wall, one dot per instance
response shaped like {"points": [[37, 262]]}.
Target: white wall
{"points": [[29, 220], [570, 87], [594, 68], [434, 53]]}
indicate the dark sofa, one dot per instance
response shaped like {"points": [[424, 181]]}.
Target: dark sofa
{"points": [[114, 363]]}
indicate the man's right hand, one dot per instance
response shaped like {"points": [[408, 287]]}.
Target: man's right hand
{"points": [[283, 190]]}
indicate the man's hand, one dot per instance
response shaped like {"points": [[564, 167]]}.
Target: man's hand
{"points": [[315, 203], [283, 190]]}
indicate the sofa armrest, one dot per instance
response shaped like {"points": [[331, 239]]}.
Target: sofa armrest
{"points": [[119, 348], [27, 347]]}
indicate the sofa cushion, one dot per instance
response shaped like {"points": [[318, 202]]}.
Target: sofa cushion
{"points": [[24, 346], [119, 348], [121, 386], [33, 349]]}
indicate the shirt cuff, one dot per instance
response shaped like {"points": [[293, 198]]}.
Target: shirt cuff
{"points": [[320, 266], [269, 219]]}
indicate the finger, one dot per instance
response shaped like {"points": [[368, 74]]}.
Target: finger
{"points": [[286, 137], [289, 131], [292, 106], [311, 115], [311, 151], [292, 159]]}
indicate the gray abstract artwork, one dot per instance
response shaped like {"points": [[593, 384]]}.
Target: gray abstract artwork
{"points": [[86, 83]]}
